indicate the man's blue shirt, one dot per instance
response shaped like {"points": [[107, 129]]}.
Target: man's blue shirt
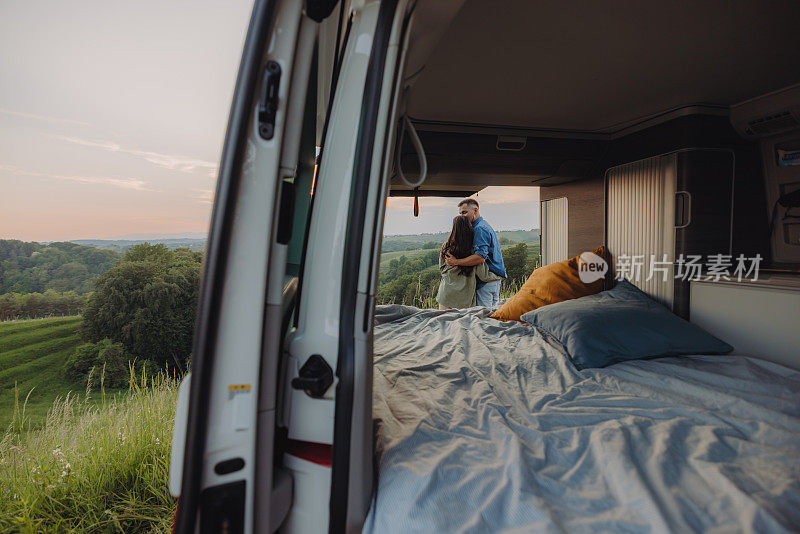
{"points": [[487, 246]]}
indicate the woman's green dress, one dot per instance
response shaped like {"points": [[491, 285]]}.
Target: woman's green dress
{"points": [[457, 290]]}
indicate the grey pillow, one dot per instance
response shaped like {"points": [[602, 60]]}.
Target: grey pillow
{"points": [[620, 324]]}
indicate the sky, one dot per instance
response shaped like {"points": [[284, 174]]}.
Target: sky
{"points": [[113, 114], [504, 208]]}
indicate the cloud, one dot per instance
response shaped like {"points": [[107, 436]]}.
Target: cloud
{"points": [[123, 183], [42, 117], [204, 196], [167, 161]]}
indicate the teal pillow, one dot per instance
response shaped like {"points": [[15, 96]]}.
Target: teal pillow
{"points": [[620, 324]]}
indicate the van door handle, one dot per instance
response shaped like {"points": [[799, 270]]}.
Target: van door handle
{"points": [[315, 376], [268, 102]]}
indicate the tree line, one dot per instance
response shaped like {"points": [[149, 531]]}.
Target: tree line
{"points": [[142, 307], [51, 303], [409, 280], [61, 267]]}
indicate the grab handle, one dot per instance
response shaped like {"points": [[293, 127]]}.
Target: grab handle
{"points": [[683, 209], [423, 161]]}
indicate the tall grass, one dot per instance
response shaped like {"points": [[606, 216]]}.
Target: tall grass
{"points": [[93, 466], [427, 299], [32, 356]]}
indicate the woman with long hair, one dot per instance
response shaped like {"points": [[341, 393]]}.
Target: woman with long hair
{"points": [[457, 288]]}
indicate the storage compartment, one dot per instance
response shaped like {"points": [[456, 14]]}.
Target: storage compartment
{"points": [[554, 230], [668, 209], [782, 172], [758, 318]]}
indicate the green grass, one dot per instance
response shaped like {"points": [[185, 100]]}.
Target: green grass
{"points": [[32, 356], [386, 257], [16, 334], [70, 460], [97, 466], [533, 249]]}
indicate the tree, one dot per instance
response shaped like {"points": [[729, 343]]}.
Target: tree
{"points": [[514, 259], [111, 363], [531, 264], [147, 302], [81, 361], [34, 305]]}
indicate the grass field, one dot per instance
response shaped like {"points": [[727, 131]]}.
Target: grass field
{"points": [[97, 466], [75, 459], [32, 355]]}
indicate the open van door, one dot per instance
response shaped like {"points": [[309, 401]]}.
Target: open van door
{"points": [[274, 424], [225, 431], [330, 437]]}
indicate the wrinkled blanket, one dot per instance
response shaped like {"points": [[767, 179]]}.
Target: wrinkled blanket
{"points": [[485, 426]]}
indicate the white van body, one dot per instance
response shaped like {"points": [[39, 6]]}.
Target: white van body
{"points": [[273, 428]]}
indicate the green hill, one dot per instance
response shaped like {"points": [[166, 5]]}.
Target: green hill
{"points": [[122, 245], [386, 257], [32, 354], [36, 267]]}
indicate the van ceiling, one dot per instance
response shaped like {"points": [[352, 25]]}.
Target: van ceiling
{"points": [[598, 66]]}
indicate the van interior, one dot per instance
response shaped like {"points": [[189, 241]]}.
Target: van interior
{"points": [[623, 114], [591, 103], [654, 129]]}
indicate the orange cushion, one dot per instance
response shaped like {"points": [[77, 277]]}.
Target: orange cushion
{"points": [[547, 285]]}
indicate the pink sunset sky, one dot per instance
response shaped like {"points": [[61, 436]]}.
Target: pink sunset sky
{"points": [[113, 114]]}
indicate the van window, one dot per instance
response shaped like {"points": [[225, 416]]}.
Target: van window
{"points": [[304, 180]]}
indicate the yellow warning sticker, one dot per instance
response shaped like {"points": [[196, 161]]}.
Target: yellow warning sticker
{"points": [[238, 390]]}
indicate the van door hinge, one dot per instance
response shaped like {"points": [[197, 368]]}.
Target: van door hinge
{"points": [[268, 103], [315, 376]]}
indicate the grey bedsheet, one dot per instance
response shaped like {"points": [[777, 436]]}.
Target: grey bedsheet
{"points": [[487, 427]]}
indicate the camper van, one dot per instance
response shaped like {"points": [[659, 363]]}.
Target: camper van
{"points": [[666, 133]]}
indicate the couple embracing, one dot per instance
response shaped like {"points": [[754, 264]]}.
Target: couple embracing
{"points": [[471, 262]]}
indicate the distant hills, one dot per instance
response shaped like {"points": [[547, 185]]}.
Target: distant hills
{"points": [[64, 266], [394, 243], [150, 238], [391, 243], [29, 267], [121, 245]]}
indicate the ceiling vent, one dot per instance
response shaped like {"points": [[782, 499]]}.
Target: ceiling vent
{"points": [[776, 123], [771, 114]]}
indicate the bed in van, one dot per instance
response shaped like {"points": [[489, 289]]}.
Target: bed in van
{"points": [[665, 131]]}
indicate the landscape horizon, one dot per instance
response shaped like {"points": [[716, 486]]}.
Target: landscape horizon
{"points": [[192, 239], [203, 235]]}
